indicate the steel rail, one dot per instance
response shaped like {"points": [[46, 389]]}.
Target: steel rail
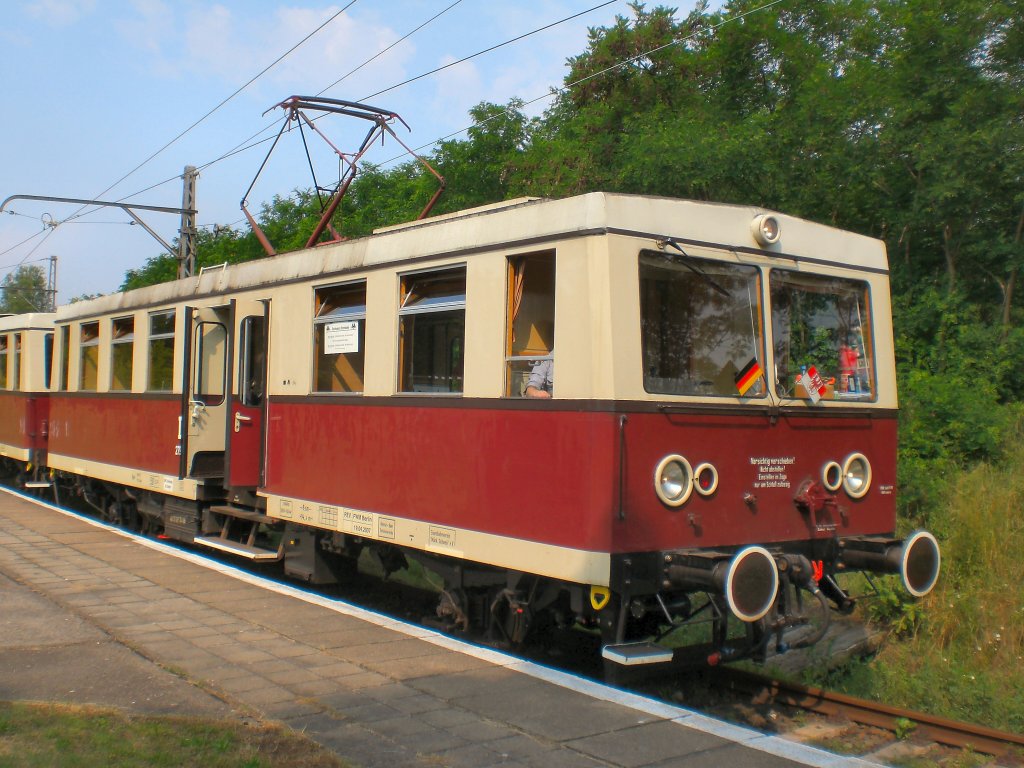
{"points": [[941, 730]]}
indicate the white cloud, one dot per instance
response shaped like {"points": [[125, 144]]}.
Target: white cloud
{"points": [[150, 29], [59, 13], [455, 91], [234, 47]]}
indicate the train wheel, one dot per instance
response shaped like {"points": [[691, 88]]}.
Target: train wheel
{"points": [[511, 617]]}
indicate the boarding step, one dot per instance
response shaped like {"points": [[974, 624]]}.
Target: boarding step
{"points": [[629, 654], [38, 484], [256, 554], [241, 513]]}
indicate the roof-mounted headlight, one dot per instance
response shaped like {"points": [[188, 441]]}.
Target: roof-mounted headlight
{"points": [[766, 229]]}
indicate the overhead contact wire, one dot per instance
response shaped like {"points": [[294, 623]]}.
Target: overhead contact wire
{"points": [[245, 146], [253, 79]]}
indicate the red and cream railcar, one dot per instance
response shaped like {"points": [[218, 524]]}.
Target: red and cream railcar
{"points": [[589, 409], [26, 349]]}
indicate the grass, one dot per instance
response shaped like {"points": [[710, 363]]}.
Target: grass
{"points": [[38, 735], [959, 653]]}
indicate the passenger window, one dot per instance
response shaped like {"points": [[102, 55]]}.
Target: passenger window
{"points": [[89, 348], [65, 357], [530, 341], [122, 347], [48, 358], [432, 330], [339, 338], [161, 352], [3, 361]]}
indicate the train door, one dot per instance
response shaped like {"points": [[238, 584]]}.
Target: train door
{"points": [[245, 428], [205, 399]]}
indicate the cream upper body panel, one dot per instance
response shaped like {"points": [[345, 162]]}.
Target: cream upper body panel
{"points": [[26, 372], [596, 239], [507, 226]]}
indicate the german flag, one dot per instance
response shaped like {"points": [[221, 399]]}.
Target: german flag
{"points": [[746, 378]]}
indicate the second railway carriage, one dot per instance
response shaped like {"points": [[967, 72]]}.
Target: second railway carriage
{"points": [[719, 437], [26, 351]]}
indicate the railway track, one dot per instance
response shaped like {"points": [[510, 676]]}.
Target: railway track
{"points": [[896, 720]]}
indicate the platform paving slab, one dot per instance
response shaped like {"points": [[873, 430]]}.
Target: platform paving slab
{"points": [[48, 654], [128, 617]]}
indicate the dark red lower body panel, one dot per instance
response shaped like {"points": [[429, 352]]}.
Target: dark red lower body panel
{"points": [[24, 419], [141, 433], [553, 476]]}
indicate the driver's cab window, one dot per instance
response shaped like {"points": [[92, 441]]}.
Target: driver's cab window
{"points": [[822, 330], [530, 341], [700, 326]]}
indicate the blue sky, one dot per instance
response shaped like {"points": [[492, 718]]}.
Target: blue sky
{"points": [[92, 88]]}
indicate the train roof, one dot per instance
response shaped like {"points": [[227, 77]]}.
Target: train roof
{"points": [[27, 321], [509, 225]]}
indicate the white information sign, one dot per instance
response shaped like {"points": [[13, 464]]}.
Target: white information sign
{"points": [[341, 338]]}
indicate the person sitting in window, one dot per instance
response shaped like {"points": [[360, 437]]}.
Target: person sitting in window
{"points": [[542, 379]]}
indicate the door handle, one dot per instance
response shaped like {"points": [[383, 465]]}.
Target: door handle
{"points": [[239, 418], [198, 407]]}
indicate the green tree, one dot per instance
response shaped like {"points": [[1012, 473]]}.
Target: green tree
{"points": [[24, 290]]}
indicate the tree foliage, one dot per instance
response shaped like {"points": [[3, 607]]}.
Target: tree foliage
{"points": [[24, 290]]}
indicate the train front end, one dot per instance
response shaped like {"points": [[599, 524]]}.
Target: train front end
{"points": [[759, 465]]}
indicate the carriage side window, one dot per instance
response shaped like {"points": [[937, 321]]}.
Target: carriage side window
{"points": [[252, 362], [822, 323], [530, 343], [65, 357], [339, 338], [89, 357], [701, 327], [122, 348], [16, 382], [432, 329], [3, 361], [161, 352], [48, 358]]}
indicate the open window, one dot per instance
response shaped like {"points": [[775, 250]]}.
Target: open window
{"points": [[89, 357], [161, 352], [339, 337], [530, 342], [823, 323], [701, 326], [122, 347], [432, 330]]}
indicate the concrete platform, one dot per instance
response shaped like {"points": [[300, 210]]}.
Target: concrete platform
{"points": [[89, 614]]}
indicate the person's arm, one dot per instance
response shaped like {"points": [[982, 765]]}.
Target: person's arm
{"points": [[538, 378]]}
